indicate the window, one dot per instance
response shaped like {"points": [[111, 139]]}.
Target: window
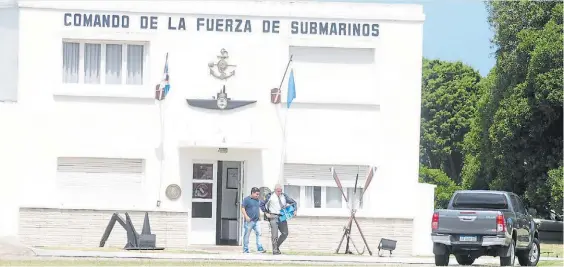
{"points": [[98, 173], [71, 54], [517, 204], [82, 181], [356, 198], [521, 205], [293, 192], [202, 190], [333, 197], [103, 63], [315, 197], [472, 200]]}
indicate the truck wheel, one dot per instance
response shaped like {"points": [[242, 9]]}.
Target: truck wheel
{"points": [[464, 259], [442, 259], [531, 256], [509, 261]]}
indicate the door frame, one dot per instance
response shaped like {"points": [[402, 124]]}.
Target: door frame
{"points": [[214, 189], [219, 199], [240, 222]]}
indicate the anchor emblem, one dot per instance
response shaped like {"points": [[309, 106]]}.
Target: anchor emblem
{"points": [[220, 70], [221, 65]]}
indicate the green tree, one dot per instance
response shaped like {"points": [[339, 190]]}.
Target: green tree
{"points": [[516, 136], [445, 186], [477, 146], [448, 97]]}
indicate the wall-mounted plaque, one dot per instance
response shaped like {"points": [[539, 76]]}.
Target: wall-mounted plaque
{"points": [[202, 190], [202, 171], [173, 192]]}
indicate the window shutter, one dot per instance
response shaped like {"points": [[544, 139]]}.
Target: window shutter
{"points": [[103, 172], [320, 174]]}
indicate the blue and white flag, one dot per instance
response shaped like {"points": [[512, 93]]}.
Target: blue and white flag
{"points": [[164, 87], [291, 89]]}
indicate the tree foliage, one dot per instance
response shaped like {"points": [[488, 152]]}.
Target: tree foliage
{"points": [[503, 131], [445, 186], [556, 189], [447, 104], [516, 134]]}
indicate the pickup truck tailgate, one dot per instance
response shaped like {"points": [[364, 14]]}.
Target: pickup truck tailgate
{"points": [[467, 222]]}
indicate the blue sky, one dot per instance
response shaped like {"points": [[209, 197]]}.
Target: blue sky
{"points": [[454, 30]]}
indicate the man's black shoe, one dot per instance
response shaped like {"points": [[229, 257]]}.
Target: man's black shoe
{"points": [[276, 252]]}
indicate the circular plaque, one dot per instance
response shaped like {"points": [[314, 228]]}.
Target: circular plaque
{"points": [[173, 192]]}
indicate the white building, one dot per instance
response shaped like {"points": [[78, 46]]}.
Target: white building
{"points": [[81, 130]]}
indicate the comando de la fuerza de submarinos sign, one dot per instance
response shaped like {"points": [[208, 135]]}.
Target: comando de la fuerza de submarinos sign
{"points": [[230, 24]]}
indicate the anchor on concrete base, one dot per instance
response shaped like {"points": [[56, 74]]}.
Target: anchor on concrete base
{"points": [[135, 241]]}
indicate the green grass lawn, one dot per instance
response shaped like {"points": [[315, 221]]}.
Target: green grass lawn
{"points": [[69, 262], [551, 263], [555, 249]]}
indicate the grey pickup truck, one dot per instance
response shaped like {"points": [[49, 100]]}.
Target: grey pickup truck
{"points": [[485, 223]]}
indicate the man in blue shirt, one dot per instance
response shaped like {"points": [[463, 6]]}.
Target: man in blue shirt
{"points": [[251, 212]]}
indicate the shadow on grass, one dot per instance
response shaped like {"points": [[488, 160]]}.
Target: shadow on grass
{"points": [[81, 262]]}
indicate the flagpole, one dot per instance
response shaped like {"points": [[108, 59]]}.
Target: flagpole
{"points": [[162, 134], [283, 156], [161, 169], [282, 81], [283, 152]]}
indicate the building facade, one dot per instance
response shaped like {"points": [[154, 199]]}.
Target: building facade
{"points": [[83, 136]]}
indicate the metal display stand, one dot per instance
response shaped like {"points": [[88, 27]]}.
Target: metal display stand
{"points": [[353, 209]]}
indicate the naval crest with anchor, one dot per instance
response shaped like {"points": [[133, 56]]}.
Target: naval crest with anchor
{"points": [[220, 69]]}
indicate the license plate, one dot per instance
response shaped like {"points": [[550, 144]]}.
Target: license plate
{"points": [[468, 238]]}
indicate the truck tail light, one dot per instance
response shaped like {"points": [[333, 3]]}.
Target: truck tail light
{"points": [[435, 221], [500, 221]]}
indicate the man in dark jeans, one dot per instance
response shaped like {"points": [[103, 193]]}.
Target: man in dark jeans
{"points": [[271, 207], [251, 211]]}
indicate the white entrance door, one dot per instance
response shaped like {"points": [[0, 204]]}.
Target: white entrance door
{"points": [[242, 194], [204, 203]]}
